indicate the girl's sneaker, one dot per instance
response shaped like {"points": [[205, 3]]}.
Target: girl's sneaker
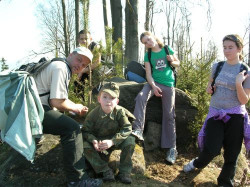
{"points": [[171, 155], [138, 134], [189, 167]]}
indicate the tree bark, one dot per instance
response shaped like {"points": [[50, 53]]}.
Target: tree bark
{"points": [[86, 14], [131, 49], [249, 47], [86, 28], [105, 19], [105, 16], [65, 28], [77, 20], [116, 12], [146, 24]]}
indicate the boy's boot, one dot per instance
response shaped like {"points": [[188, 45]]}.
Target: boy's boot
{"points": [[108, 175], [124, 178]]}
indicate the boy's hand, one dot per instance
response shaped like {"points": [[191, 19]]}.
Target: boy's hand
{"points": [[105, 144], [96, 145]]}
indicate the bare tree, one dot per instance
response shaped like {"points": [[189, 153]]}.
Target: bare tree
{"points": [[249, 49], [4, 66], [249, 44], [131, 12], [65, 28], [77, 21], [146, 24], [85, 4], [105, 16], [149, 15], [52, 27], [116, 12]]}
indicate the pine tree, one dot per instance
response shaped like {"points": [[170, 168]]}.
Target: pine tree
{"points": [[4, 66]]}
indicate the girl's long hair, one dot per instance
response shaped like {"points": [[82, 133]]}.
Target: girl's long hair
{"points": [[147, 33]]}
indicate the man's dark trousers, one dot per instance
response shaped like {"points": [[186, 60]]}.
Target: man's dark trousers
{"points": [[57, 123]]}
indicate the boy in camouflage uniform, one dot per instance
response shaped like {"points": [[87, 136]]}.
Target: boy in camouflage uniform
{"points": [[106, 128]]}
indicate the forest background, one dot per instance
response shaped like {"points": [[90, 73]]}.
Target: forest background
{"points": [[194, 29], [179, 23]]}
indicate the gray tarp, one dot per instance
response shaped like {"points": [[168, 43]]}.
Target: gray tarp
{"points": [[21, 112]]}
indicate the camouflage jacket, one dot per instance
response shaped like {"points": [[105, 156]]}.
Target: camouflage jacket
{"points": [[100, 126]]}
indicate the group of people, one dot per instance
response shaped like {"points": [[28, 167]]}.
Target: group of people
{"points": [[110, 126]]}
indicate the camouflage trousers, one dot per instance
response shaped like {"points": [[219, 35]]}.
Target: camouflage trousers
{"points": [[99, 161]]}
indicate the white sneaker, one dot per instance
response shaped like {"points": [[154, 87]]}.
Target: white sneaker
{"points": [[189, 167], [138, 134], [171, 155]]}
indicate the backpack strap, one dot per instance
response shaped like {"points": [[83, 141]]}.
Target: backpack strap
{"points": [[167, 53], [217, 71], [149, 58], [243, 67], [56, 59], [63, 60], [92, 46], [172, 67]]}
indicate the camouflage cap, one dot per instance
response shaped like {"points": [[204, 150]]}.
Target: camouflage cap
{"points": [[111, 88]]}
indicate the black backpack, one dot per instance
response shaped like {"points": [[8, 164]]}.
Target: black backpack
{"points": [[34, 68], [172, 67], [219, 67], [136, 68]]}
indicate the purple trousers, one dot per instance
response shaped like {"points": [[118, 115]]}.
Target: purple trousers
{"points": [[168, 135]]}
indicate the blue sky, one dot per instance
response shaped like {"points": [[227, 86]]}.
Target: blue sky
{"points": [[19, 33]]}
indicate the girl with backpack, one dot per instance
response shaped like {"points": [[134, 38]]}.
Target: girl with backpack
{"points": [[161, 81], [227, 120]]}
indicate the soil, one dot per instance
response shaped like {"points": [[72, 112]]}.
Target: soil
{"points": [[47, 169]]}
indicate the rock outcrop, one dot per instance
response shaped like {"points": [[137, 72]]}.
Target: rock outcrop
{"points": [[48, 169], [185, 113]]}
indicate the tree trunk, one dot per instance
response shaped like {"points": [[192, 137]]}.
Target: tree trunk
{"points": [[146, 24], [86, 28], [249, 48], [77, 20], [116, 12], [131, 49], [86, 14], [105, 16], [105, 19], [65, 28]]}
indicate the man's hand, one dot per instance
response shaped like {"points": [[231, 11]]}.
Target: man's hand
{"points": [[68, 105], [80, 109]]}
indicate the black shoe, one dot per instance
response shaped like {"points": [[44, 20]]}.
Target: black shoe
{"points": [[124, 178], [108, 175], [86, 183]]}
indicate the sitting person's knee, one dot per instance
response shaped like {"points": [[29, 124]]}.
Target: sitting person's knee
{"points": [[129, 142]]}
